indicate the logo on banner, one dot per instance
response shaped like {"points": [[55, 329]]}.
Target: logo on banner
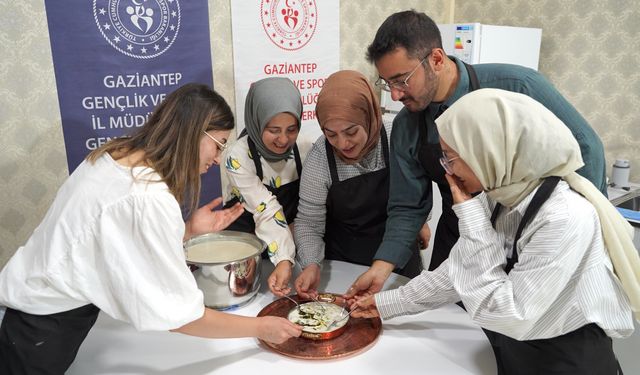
{"points": [[138, 28], [289, 24]]}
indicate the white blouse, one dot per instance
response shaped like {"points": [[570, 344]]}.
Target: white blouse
{"points": [[243, 183], [111, 240], [563, 279]]}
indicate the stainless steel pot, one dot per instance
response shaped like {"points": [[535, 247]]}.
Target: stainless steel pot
{"points": [[233, 280]]}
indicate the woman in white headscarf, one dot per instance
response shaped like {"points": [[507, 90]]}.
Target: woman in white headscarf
{"points": [[549, 278], [263, 168]]}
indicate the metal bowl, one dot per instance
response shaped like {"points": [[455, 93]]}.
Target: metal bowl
{"points": [[231, 280]]}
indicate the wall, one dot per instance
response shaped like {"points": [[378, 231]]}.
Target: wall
{"points": [[32, 154], [591, 52]]}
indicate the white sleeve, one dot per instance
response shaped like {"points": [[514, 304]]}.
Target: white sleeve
{"points": [[271, 225], [141, 269], [427, 291]]}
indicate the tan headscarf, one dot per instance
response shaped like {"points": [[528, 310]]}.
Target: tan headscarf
{"points": [[347, 97], [511, 142]]}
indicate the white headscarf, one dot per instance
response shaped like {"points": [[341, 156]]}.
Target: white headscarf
{"points": [[511, 142]]}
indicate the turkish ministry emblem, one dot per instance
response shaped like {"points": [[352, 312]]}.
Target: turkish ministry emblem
{"points": [[138, 28], [289, 24]]}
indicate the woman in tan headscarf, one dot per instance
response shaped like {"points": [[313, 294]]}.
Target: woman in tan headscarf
{"points": [[544, 262], [344, 187]]}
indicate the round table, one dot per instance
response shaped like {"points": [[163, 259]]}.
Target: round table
{"points": [[442, 341]]}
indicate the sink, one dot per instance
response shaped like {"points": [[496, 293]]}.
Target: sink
{"points": [[630, 203]]}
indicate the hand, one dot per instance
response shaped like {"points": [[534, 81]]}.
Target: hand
{"points": [[206, 220], [278, 281], [424, 236], [371, 281], [307, 283], [457, 189], [277, 330], [366, 307]]}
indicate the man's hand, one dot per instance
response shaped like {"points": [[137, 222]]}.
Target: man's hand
{"points": [[206, 219], [424, 236], [371, 281]]}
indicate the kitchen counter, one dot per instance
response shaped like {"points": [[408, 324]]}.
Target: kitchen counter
{"points": [[442, 341], [618, 195]]}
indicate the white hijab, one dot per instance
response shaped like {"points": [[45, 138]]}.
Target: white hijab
{"points": [[511, 142]]}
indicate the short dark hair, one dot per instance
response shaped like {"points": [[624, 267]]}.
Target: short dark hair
{"points": [[415, 32]]}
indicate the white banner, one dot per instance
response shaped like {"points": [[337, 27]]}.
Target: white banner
{"points": [[296, 39]]}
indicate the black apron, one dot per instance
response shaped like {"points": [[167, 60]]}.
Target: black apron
{"points": [[429, 154], [357, 214], [287, 194], [587, 350], [43, 344]]}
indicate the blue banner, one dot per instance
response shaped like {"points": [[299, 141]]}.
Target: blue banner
{"points": [[115, 60]]}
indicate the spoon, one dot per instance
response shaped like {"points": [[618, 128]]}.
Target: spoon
{"points": [[342, 317], [294, 301]]}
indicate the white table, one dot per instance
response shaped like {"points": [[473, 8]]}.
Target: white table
{"points": [[443, 341]]}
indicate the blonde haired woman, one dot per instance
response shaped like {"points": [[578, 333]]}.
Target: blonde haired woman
{"points": [[112, 242]]}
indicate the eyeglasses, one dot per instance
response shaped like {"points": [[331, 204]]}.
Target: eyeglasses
{"points": [[399, 85], [222, 146], [446, 163]]}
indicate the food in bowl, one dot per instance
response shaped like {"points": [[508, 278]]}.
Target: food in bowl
{"points": [[219, 251], [319, 317]]}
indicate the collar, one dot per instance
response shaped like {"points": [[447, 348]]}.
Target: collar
{"points": [[462, 88], [463, 83]]}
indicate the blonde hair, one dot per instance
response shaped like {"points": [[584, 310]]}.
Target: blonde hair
{"points": [[170, 139]]}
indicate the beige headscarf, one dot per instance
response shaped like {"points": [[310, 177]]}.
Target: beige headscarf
{"points": [[347, 97], [511, 142]]}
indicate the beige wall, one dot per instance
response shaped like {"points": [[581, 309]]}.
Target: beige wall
{"points": [[591, 53], [592, 63], [32, 155]]}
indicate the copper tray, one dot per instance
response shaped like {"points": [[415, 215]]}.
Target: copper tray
{"points": [[358, 335]]}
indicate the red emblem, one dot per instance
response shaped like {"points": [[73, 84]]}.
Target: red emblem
{"points": [[289, 24]]}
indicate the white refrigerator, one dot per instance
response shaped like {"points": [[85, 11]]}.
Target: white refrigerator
{"points": [[475, 43]]}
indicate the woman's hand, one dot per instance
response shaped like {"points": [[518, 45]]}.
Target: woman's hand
{"points": [[307, 283], [364, 307], [206, 219], [277, 330], [457, 189], [278, 281]]}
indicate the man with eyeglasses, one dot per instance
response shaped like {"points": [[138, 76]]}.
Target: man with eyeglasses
{"points": [[412, 65]]}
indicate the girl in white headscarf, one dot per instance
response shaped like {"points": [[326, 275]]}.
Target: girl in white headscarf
{"points": [[551, 302], [263, 169]]}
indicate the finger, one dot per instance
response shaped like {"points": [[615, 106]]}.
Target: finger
{"points": [[353, 289], [214, 203], [451, 181]]}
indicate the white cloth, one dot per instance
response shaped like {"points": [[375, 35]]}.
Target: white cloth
{"points": [[563, 279], [268, 215], [111, 240], [511, 142]]}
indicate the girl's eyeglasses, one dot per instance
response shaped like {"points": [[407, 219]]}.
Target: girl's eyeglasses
{"points": [[446, 163], [223, 146]]}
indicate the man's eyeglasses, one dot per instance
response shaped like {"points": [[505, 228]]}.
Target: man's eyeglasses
{"points": [[399, 85], [446, 163], [222, 146]]}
